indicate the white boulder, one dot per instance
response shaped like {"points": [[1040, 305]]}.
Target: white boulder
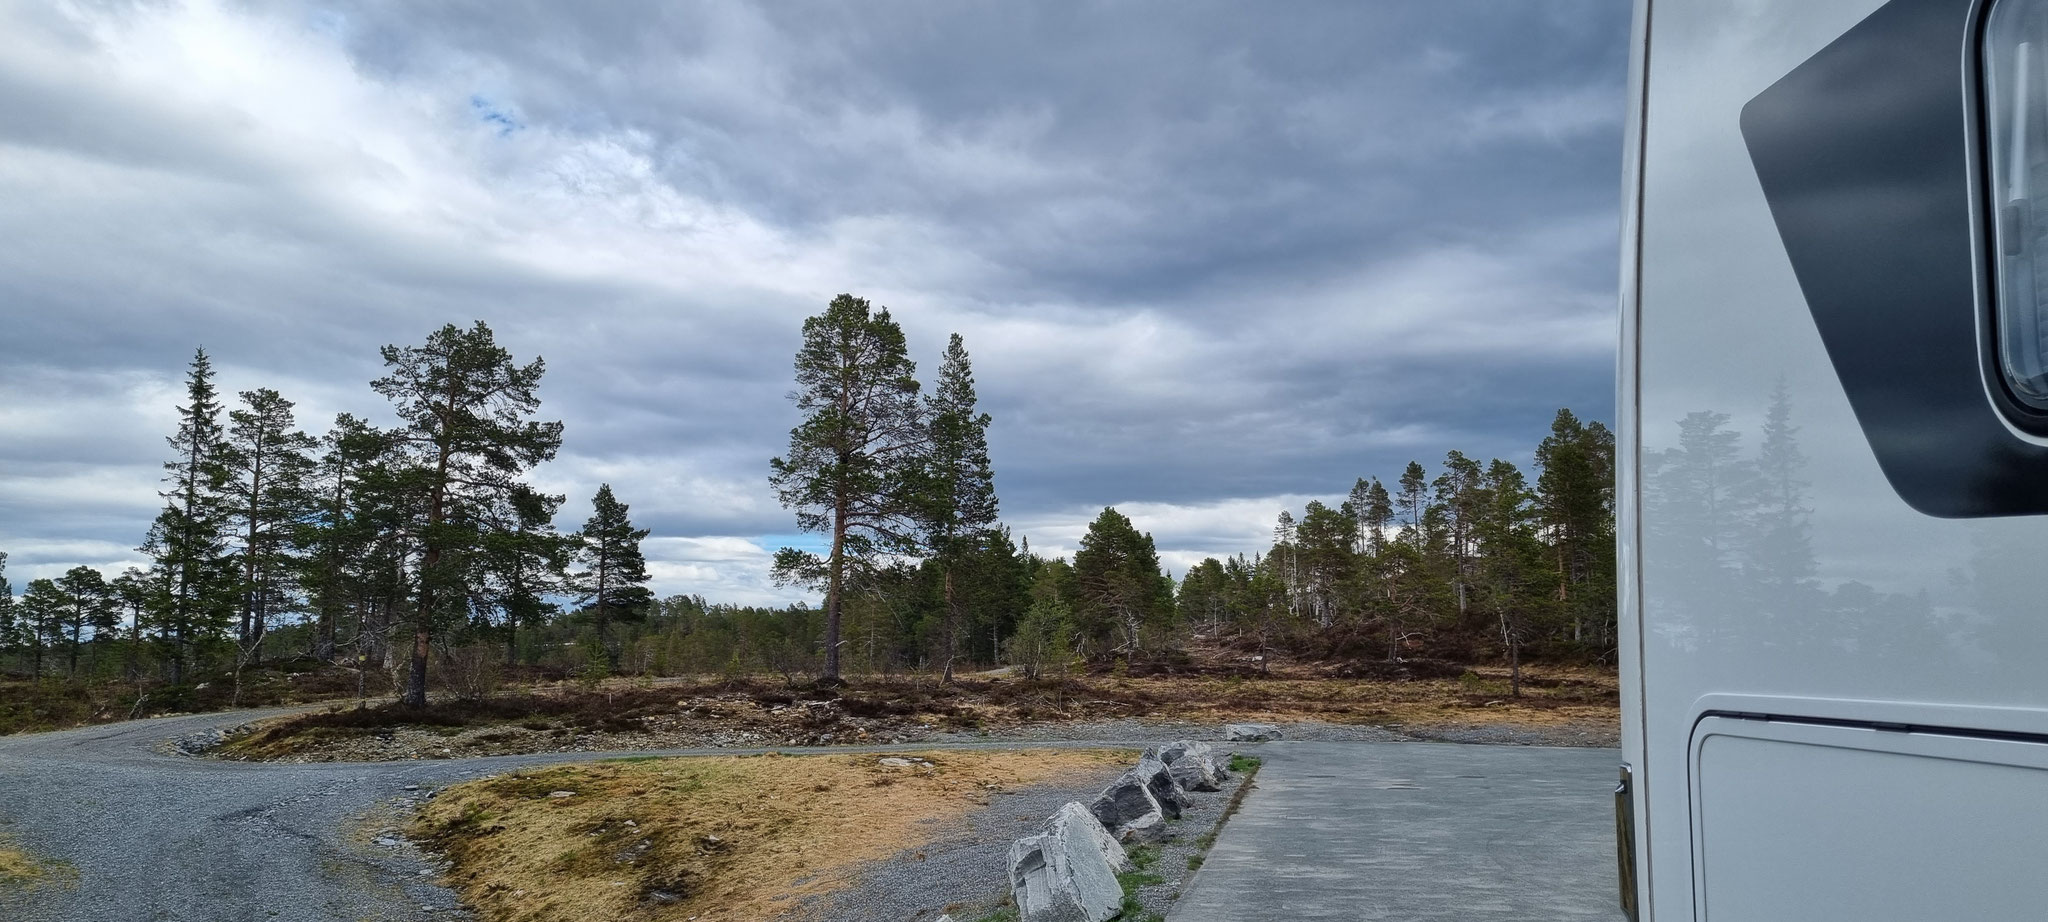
{"points": [[1192, 764], [1067, 872]]}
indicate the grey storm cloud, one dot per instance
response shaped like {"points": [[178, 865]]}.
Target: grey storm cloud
{"points": [[1210, 259]]}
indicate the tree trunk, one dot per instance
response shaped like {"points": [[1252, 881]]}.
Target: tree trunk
{"points": [[834, 586], [604, 614], [1515, 669], [952, 625]]}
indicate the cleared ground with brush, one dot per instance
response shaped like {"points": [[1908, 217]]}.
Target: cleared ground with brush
{"points": [[722, 838], [1430, 700]]}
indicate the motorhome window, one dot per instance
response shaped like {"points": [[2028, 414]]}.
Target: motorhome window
{"points": [[2015, 80]]}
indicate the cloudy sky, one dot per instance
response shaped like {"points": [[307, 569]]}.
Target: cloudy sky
{"points": [[1211, 260]]}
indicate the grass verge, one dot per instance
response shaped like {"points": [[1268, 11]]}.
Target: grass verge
{"points": [[721, 838]]}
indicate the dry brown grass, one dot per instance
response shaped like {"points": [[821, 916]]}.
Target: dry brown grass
{"points": [[20, 869], [1550, 697], [16, 867], [713, 839], [705, 711]]}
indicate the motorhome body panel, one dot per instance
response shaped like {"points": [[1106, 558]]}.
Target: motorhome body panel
{"points": [[1778, 571]]}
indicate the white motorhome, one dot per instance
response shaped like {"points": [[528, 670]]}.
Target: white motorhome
{"points": [[1833, 493]]}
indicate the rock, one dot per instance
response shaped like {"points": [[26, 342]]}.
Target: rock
{"points": [[1250, 733], [1159, 779], [1126, 800], [1136, 806], [893, 762], [1192, 764], [558, 795], [1083, 824], [1066, 873]]}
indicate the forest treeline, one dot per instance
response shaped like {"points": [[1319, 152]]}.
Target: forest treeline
{"points": [[419, 551]]}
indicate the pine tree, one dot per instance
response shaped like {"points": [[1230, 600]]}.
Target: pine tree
{"points": [[1457, 493], [612, 586], [1284, 550], [1358, 506], [1204, 593], [1505, 525], [465, 408], [1122, 593], [1575, 504], [186, 541], [1323, 544], [1378, 514], [138, 593], [342, 526], [88, 609], [524, 561], [959, 494], [851, 470], [268, 463], [1414, 503], [42, 612]]}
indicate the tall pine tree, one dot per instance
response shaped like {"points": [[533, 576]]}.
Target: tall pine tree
{"points": [[464, 407], [268, 462], [852, 468]]}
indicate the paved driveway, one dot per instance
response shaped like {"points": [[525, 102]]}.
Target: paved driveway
{"points": [[1415, 831]]}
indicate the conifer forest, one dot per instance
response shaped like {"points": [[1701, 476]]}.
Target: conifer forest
{"points": [[417, 558]]}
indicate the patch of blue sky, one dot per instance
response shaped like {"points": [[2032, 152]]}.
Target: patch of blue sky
{"points": [[504, 120], [816, 544]]}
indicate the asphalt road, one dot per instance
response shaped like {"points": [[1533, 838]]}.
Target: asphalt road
{"points": [[1392, 831], [1407, 832]]}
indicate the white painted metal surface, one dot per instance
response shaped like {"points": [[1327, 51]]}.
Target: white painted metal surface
{"points": [[1879, 614]]}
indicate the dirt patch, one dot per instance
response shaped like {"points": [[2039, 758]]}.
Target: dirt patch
{"points": [[753, 714], [725, 838]]}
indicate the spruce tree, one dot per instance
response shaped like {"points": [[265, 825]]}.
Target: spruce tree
{"points": [[959, 487], [852, 468], [186, 542], [464, 407], [612, 587]]}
